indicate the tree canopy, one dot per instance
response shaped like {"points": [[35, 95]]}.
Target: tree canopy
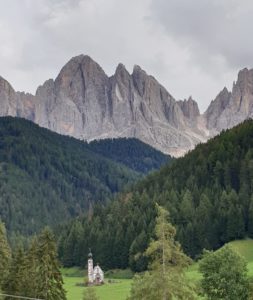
{"points": [[165, 279], [46, 178], [224, 275], [208, 193]]}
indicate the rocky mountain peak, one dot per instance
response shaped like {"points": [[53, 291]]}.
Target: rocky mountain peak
{"points": [[215, 110], [231, 108], [244, 81], [189, 108], [80, 66], [85, 103], [121, 73], [139, 79], [5, 85]]}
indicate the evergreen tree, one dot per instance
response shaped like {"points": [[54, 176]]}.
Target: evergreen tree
{"points": [[207, 193], [165, 279], [50, 284], [250, 218], [90, 294], [224, 275], [31, 270], [15, 282], [5, 254]]}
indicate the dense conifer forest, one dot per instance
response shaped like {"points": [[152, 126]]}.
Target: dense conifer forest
{"points": [[209, 194], [132, 153], [46, 178]]}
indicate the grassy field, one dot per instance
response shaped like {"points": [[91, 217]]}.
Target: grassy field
{"points": [[115, 288], [120, 284]]}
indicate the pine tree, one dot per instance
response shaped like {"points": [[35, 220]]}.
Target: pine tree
{"points": [[5, 254], [165, 279], [31, 270], [90, 294], [250, 218], [50, 284], [15, 281]]}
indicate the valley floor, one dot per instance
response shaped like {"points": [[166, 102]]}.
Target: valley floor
{"points": [[118, 289]]}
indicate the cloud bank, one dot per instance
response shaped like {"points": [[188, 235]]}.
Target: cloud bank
{"points": [[193, 47]]}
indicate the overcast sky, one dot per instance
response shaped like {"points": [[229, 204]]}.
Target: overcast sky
{"points": [[193, 47]]}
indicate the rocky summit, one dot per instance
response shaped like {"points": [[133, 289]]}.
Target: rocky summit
{"points": [[231, 108], [85, 103]]}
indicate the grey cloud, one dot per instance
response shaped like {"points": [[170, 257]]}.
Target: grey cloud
{"points": [[213, 28], [191, 47]]}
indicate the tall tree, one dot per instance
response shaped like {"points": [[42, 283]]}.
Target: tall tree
{"points": [[15, 282], [50, 284], [224, 275], [5, 254], [165, 279], [31, 278]]}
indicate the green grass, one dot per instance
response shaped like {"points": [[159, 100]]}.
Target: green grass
{"points": [[192, 273], [119, 289], [244, 247], [119, 274]]}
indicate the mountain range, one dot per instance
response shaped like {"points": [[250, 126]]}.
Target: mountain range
{"points": [[85, 103]]}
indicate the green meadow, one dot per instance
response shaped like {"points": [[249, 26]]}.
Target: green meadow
{"points": [[118, 283]]}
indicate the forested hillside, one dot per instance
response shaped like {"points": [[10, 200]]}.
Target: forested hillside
{"points": [[46, 178], [208, 194], [132, 153]]}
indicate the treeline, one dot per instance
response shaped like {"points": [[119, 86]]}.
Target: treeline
{"points": [[34, 273], [46, 178], [208, 194]]}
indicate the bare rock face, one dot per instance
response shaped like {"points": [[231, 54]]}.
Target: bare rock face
{"points": [[216, 108], [230, 109], [76, 102], [85, 103], [15, 104], [191, 112], [190, 108], [8, 99]]}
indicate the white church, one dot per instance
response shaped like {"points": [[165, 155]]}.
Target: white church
{"points": [[95, 275]]}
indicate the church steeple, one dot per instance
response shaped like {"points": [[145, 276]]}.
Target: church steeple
{"points": [[89, 254], [90, 268]]}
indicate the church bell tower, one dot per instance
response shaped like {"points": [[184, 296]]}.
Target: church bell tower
{"points": [[90, 268]]}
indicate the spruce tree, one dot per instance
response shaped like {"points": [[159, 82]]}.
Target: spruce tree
{"points": [[5, 254], [165, 279], [50, 285], [250, 218], [15, 282], [31, 270]]}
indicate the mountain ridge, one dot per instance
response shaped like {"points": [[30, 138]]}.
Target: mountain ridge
{"points": [[46, 178], [84, 102]]}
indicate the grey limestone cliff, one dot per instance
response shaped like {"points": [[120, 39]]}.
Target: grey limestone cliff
{"points": [[85, 103], [231, 108]]}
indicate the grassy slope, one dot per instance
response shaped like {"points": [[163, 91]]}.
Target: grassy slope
{"points": [[244, 247], [120, 288]]}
